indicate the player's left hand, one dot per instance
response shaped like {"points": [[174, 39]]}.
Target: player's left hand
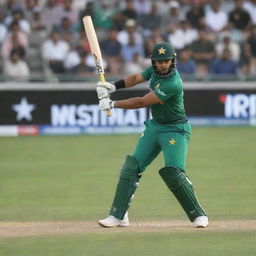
{"points": [[106, 103], [102, 93]]}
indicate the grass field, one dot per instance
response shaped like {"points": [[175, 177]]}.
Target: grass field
{"points": [[72, 178]]}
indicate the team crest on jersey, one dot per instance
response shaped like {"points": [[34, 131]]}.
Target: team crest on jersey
{"points": [[157, 86]]}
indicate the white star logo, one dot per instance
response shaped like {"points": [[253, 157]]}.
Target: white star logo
{"points": [[23, 110]]}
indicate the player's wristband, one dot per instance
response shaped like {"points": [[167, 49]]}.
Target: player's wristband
{"points": [[119, 84]]}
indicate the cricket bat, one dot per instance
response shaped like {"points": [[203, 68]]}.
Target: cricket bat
{"points": [[95, 49]]}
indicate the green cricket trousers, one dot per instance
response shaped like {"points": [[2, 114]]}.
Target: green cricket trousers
{"points": [[171, 139]]}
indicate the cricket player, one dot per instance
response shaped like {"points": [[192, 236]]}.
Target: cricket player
{"points": [[168, 131]]}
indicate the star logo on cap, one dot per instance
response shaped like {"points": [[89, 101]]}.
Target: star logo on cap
{"points": [[161, 50]]}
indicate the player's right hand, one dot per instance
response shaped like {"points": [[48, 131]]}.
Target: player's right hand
{"points": [[110, 87], [106, 104]]}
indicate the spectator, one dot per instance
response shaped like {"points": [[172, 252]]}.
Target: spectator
{"points": [[142, 7], [51, 14], [103, 20], [251, 51], [15, 68], [137, 64], [31, 7], [158, 37], [148, 47], [37, 23], [82, 68], [202, 52], [87, 11], [67, 10], [131, 48], [163, 6], [79, 4], [151, 21], [83, 42], [215, 18], [75, 62], [183, 36], [239, 18], [245, 59], [15, 39], [171, 20], [11, 5], [111, 49], [66, 26], [250, 7], [122, 16], [224, 65], [54, 51], [69, 38], [18, 16], [130, 28], [195, 14], [3, 28], [129, 12], [227, 43], [185, 64]]}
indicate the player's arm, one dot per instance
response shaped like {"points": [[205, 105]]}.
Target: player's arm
{"points": [[130, 81], [104, 89], [132, 103]]}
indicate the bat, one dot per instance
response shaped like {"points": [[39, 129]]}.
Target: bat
{"points": [[95, 49]]}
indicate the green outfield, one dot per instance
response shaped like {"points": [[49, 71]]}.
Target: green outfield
{"points": [[72, 178]]}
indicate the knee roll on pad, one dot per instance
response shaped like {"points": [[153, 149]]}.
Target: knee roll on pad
{"points": [[130, 169], [183, 190], [173, 177]]}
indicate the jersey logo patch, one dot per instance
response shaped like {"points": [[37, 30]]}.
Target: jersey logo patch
{"points": [[160, 92], [157, 86], [172, 141]]}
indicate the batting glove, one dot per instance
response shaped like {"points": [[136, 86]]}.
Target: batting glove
{"points": [[102, 92], [110, 87], [106, 103]]}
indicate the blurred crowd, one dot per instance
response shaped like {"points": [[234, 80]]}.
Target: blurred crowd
{"points": [[211, 37]]}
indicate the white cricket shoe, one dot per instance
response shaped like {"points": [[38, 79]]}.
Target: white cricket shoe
{"points": [[112, 222], [201, 222]]}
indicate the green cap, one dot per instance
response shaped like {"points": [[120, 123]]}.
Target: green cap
{"points": [[163, 51]]}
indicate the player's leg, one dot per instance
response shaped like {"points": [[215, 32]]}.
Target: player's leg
{"points": [[146, 151], [175, 146]]}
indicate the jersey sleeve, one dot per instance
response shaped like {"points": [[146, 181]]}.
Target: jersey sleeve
{"points": [[165, 92], [146, 74]]}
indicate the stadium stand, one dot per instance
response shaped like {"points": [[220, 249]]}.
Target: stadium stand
{"points": [[202, 31]]}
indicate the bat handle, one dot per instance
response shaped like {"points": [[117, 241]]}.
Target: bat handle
{"points": [[102, 79]]}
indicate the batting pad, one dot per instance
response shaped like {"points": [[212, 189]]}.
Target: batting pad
{"points": [[126, 187], [182, 189]]}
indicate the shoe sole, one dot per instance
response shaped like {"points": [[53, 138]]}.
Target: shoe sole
{"points": [[201, 226], [117, 226]]}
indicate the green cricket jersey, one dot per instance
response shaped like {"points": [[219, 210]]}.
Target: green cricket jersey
{"points": [[169, 90]]}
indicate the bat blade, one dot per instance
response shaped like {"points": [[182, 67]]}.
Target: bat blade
{"points": [[93, 42], [95, 49]]}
